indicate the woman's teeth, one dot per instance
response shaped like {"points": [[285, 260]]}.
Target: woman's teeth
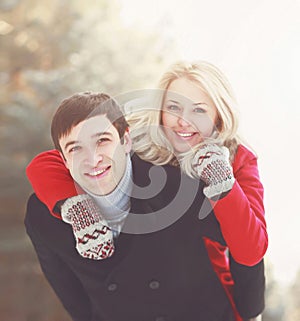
{"points": [[185, 134]]}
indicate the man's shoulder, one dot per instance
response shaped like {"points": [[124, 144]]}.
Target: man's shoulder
{"points": [[164, 181], [142, 169], [39, 220], [47, 231], [35, 206]]}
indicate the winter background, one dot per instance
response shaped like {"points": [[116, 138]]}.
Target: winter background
{"points": [[50, 50]]}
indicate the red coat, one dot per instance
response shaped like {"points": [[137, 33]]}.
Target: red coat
{"points": [[241, 218], [240, 213]]}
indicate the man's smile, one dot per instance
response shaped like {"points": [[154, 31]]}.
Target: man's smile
{"points": [[99, 172]]}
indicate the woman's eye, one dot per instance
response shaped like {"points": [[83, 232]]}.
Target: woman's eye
{"points": [[173, 108], [199, 110]]}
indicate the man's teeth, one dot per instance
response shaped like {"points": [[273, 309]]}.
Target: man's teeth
{"points": [[98, 172], [185, 134]]}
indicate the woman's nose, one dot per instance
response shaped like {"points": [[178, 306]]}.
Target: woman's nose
{"points": [[183, 122]]}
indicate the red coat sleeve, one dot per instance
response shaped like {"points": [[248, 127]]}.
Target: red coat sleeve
{"points": [[241, 212], [51, 180]]}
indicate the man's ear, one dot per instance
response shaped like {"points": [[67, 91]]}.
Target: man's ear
{"points": [[127, 142], [63, 158]]}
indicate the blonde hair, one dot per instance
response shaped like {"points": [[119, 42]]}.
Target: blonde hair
{"points": [[149, 141]]}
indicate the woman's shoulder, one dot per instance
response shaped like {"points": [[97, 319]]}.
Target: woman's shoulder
{"points": [[244, 151], [243, 155]]}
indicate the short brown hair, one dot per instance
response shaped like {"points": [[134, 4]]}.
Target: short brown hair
{"points": [[82, 106]]}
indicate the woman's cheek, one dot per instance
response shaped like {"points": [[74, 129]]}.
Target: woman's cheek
{"points": [[205, 126], [167, 119]]}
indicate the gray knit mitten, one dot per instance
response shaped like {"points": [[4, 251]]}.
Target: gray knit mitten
{"points": [[94, 239], [211, 163]]}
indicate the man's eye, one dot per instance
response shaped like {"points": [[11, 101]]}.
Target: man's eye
{"points": [[103, 140], [74, 149]]}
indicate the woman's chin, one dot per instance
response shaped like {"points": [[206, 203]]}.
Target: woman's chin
{"points": [[181, 148]]}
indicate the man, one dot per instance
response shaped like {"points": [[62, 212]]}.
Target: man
{"points": [[136, 256]]}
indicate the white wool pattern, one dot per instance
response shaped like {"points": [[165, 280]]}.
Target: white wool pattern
{"points": [[211, 162], [94, 239]]}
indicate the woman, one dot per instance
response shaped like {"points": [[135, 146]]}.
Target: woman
{"points": [[197, 116], [195, 127]]}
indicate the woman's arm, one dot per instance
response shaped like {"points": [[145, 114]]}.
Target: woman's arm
{"points": [[241, 212], [51, 180]]}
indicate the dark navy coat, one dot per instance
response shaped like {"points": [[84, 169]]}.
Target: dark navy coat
{"points": [[160, 270]]}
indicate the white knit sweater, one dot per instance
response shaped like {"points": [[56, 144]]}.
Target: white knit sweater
{"points": [[115, 206]]}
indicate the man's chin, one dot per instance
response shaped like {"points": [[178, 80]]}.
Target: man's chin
{"points": [[99, 191]]}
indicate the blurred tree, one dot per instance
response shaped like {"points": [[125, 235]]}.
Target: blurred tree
{"points": [[275, 297], [50, 50], [293, 308]]}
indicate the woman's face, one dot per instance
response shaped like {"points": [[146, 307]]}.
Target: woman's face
{"points": [[188, 115]]}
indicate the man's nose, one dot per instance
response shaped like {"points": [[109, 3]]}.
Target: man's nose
{"points": [[94, 157]]}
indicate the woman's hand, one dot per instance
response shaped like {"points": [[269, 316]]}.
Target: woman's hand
{"points": [[94, 239], [211, 163]]}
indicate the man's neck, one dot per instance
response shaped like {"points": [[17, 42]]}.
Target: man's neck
{"points": [[115, 205]]}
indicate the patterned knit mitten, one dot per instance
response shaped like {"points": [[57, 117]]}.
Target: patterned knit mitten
{"points": [[212, 164], [94, 239]]}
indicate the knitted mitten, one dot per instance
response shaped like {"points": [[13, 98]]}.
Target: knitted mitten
{"points": [[212, 165], [94, 239]]}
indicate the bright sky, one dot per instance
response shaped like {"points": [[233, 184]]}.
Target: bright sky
{"points": [[257, 44]]}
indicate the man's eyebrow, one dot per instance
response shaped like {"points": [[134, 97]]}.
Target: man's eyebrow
{"points": [[71, 143], [93, 136], [102, 134]]}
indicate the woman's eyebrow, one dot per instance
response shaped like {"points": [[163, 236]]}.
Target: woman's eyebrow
{"points": [[173, 101], [200, 103]]}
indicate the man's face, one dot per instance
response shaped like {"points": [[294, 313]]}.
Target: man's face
{"points": [[94, 154]]}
